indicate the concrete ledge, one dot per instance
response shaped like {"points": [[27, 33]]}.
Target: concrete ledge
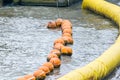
{"points": [[1, 3], [61, 3]]}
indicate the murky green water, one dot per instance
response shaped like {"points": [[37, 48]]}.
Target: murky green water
{"points": [[25, 41]]}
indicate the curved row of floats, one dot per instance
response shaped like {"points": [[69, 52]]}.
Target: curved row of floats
{"points": [[59, 48]]}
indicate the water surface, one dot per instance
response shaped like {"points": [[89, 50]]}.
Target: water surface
{"points": [[25, 41]]}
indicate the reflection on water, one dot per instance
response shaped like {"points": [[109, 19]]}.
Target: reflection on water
{"points": [[114, 1], [25, 41]]}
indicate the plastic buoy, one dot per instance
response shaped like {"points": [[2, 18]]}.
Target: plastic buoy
{"points": [[58, 46], [56, 51], [39, 75], [56, 62], [67, 31], [51, 55], [59, 40], [66, 22], [51, 25], [66, 34], [29, 77], [66, 50], [68, 40], [45, 69], [49, 65], [21, 78], [58, 22]]}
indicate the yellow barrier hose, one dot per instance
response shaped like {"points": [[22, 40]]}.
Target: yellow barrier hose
{"points": [[104, 8], [110, 59]]}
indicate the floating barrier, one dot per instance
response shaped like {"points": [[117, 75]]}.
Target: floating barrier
{"points": [[110, 59], [60, 3], [59, 48], [105, 8]]}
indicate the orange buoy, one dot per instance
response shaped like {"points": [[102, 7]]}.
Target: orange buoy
{"points": [[66, 35], [66, 22], [56, 62], [49, 65], [67, 31], [51, 25], [45, 69], [56, 51], [58, 22], [39, 75], [59, 40], [65, 26], [58, 46], [21, 78], [29, 77], [68, 40], [66, 50], [51, 55]]}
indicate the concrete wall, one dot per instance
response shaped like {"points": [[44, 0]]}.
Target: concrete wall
{"points": [[6, 2], [45, 2], [1, 3]]}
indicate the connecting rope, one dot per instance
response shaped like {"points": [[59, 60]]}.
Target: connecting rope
{"points": [[57, 4]]}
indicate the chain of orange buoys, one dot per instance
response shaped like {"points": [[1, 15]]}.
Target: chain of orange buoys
{"points": [[59, 48]]}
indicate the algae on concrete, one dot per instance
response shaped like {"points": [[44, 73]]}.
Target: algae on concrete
{"points": [[46, 2], [40, 2]]}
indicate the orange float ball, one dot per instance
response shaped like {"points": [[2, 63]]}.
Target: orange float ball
{"points": [[65, 26], [59, 40], [49, 65], [51, 56], [66, 50], [29, 77], [66, 34], [56, 62], [66, 22], [39, 75], [59, 22], [56, 51], [67, 31], [58, 46], [21, 78], [45, 69], [51, 24], [68, 40]]}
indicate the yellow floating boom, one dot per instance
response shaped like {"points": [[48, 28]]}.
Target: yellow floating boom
{"points": [[110, 59], [104, 8]]}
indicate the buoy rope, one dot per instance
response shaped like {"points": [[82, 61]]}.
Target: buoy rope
{"points": [[57, 4]]}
